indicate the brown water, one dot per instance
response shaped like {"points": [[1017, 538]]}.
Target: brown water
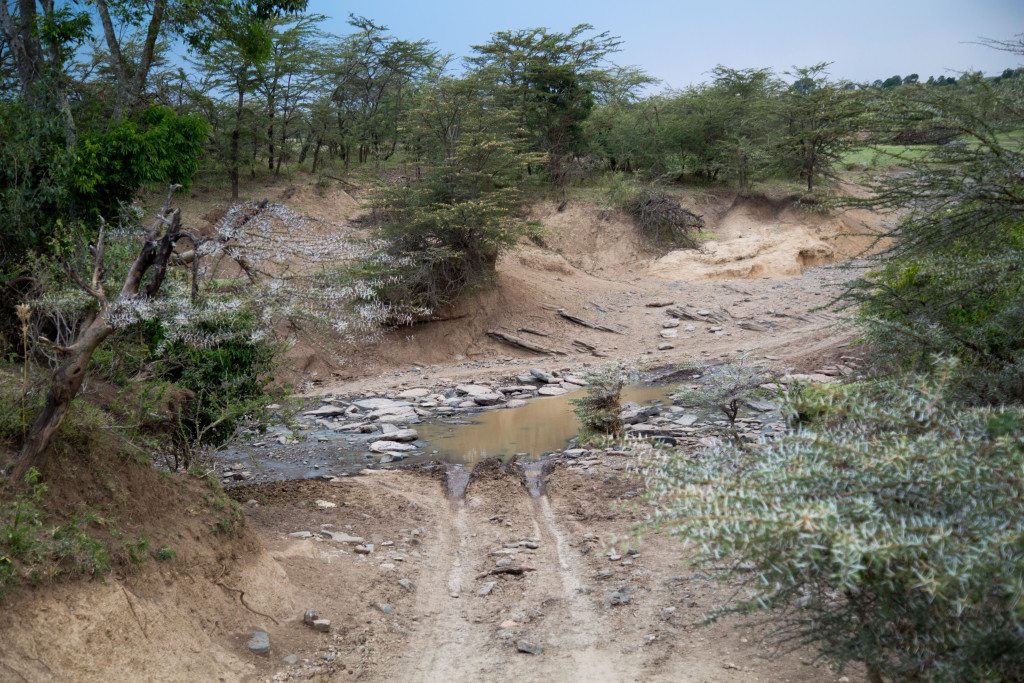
{"points": [[542, 425]]}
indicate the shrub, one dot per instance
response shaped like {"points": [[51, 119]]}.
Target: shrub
{"points": [[598, 410], [662, 219], [723, 389], [442, 234], [891, 534]]}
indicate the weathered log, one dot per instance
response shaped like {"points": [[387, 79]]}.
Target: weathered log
{"points": [[585, 323], [521, 343]]}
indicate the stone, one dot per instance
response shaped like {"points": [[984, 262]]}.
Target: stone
{"points": [[301, 534], [395, 413], [290, 660], [321, 625], [259, 643], [406, 584], [528, 647], [364, 549], [542, 375], [403, 435], [515, 403], [670, 324], [669, 334], [379, 403], [551, 391], [665, 346], [387, 429], [414, 393], [341, 537], [487, 588], [760, 405], [309, 616], [573, 379], [325, 504], [687, 420], [473, 390], [488, 399], [325, 411], [385, 608], [390, 446], [619, 598]]}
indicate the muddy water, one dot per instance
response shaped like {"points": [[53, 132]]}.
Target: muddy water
{"points": [[541, 426]]}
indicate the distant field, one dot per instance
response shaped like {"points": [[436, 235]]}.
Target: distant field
{"points": [[880, 156]]}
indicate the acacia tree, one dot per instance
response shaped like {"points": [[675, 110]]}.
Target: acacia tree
{"points": [[821, 119], [551, 81]]}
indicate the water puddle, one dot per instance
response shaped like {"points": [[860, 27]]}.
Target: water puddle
{"points": [[541, 426]]}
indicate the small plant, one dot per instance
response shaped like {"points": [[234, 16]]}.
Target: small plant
{"points": [[723, 389], [165, 553], [598, 410]]}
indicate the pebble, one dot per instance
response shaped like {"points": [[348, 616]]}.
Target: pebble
{"points": [[487, 588], [259, 643], [385, 608], [528, 647]]}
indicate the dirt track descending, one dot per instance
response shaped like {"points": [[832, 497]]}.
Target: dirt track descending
{"points": [[589, 617]]}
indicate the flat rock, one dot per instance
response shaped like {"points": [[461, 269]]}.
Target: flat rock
{"points": [[542, 375], [259, 643], [301, 534], [529, 647], [378, 403], [326, 411], [418, 392], [551, 391], [341, 537], [665, 346], [473, 389], [384, 446], [487, 588], [403, 435], [515, 403], [488, 399]]}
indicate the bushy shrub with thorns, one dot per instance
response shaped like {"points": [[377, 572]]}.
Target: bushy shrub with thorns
{"points": [[890, 532]]}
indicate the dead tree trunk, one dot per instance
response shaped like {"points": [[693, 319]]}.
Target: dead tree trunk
{"points": [[67, 380]]}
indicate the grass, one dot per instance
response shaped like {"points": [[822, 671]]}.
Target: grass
{"points": [[883, 156]]}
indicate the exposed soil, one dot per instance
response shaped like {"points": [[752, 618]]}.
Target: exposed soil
{"points": [[414, 607]]}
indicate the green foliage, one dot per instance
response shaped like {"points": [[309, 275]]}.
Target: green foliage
{"points": [[32, 552], [890, 533], [952, 283], [443, 234], [598, 410], [111, 166], [721, 390], [165, 553], [225, 364]]}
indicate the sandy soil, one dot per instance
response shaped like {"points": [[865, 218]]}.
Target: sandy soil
{"points": [[413, 607]]}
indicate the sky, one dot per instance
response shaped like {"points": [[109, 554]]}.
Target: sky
{"points": [[680, 41]]}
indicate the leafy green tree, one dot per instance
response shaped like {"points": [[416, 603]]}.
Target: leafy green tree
{"points": [[821, 119], [551, 80]]}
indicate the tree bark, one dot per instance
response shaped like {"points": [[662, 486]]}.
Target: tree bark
{"points": [[67, 380], [236, 135]]}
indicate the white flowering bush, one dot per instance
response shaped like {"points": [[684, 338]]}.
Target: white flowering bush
{"points": [[888, 532]]}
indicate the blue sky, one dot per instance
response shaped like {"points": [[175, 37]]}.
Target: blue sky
{"points": [[680, 41]]}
